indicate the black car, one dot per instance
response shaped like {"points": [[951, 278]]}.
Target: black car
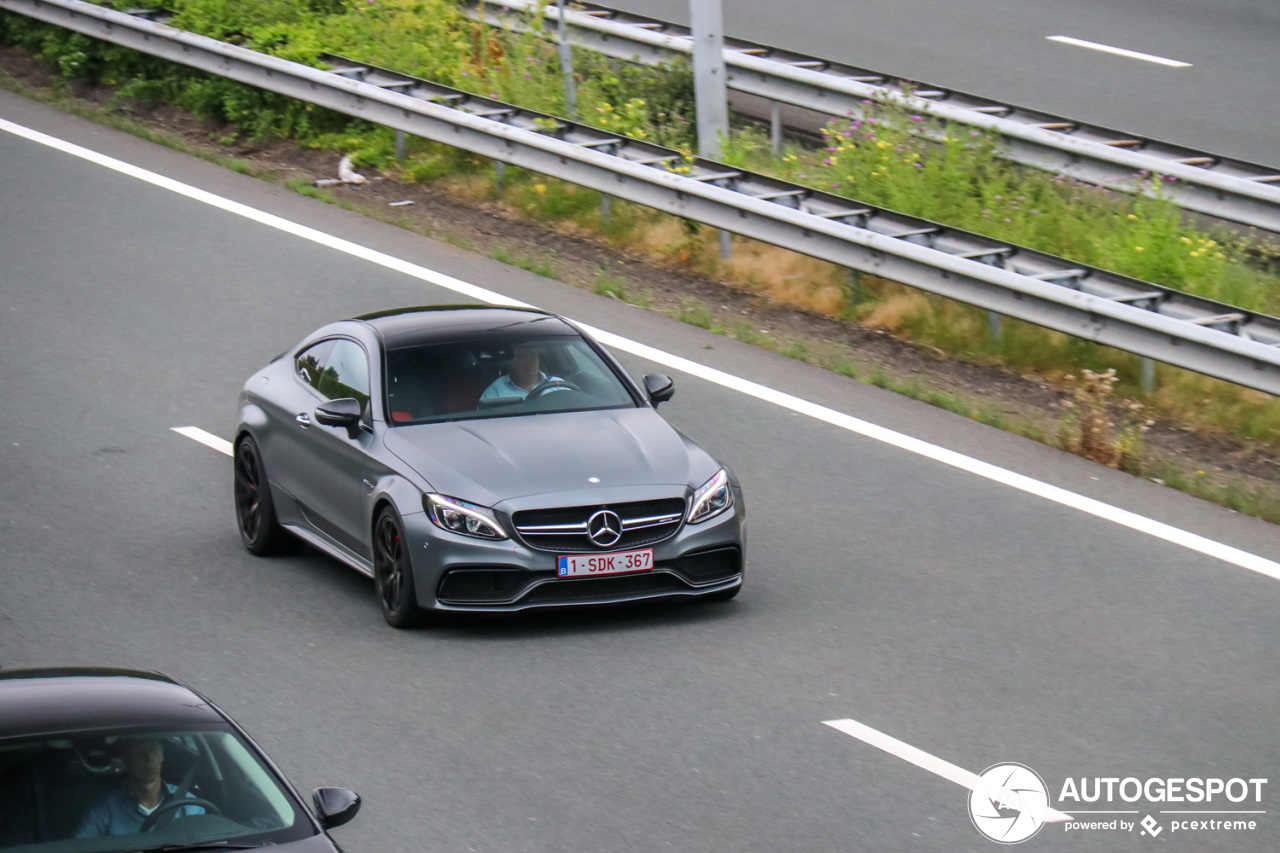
{"points": [[96, 759], [479, 458]]}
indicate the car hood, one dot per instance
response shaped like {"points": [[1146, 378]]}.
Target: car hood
{"points": [[490, 460]]}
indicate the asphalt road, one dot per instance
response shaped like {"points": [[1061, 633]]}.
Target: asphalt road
{"points": [[1223, 104], [970, 620]]}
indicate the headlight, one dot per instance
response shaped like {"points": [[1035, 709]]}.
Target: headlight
{"points": [[458, 516], [712, 498]]}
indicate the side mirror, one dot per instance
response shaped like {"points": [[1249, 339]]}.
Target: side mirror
{"points": [[342, 412], [660, 388], [335, 806]]}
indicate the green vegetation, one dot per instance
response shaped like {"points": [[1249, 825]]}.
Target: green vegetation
{"points": [[543, 264]]}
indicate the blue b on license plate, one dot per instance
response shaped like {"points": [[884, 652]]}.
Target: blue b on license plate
{"points": [[584, 565]]}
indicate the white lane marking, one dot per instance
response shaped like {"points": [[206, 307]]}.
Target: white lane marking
{"points": [[208, 439], [1166, 532], [930, 762], [1120, 51]]}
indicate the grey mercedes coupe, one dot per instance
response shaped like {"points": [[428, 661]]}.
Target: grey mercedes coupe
{"points": [[474, 458]]}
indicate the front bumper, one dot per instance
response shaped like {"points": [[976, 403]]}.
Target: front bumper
{"points": [[459, 573]]}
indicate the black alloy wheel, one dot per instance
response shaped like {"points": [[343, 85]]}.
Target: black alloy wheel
{"points": [[393, 573], [255, 512]]}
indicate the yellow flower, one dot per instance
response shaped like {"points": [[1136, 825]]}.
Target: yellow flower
{"points": [[540, 188], [1131, 216], [1138, 249]]}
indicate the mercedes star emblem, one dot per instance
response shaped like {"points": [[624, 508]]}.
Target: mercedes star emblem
{"points": [[604, 528]]}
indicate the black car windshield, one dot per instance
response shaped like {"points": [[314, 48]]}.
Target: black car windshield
{"points": [[138, 790], [499, 377]]}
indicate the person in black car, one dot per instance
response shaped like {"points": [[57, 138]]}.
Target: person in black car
{"points": [[122, 812]]}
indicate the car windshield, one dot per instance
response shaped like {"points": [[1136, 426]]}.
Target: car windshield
{"points": [[499, 377], [140, 790]]}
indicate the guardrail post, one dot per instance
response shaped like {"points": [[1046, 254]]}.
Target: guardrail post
{"points": [[853, 288], [401, 146], [499, 170], [566, 64], [775, 127], [709, 86], [993, 324], [1148, 374], [606, 208]]}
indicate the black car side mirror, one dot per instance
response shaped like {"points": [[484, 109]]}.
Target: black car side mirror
{"points": [[342, 412], [335, 806], [660, 388]]}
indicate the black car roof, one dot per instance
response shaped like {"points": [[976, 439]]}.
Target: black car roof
{"points": [[66, 700], [436, 323]]}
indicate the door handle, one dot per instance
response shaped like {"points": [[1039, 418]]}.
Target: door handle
{"points": [[304, 420]]}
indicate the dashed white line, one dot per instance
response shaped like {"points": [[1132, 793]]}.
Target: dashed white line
{"points": [[1133, 521], [928, 761], [208, 439], [1120, 51]]}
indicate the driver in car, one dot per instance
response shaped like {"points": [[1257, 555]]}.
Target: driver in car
{"points": [[522, 378], [143, 792]]}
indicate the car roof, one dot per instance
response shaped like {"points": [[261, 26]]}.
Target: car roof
{"points": [[402, 327], [72, 699]]}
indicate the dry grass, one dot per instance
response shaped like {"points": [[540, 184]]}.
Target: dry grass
{"points": [[893, 310], [787, 277]]}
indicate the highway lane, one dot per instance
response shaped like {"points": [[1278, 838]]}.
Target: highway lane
{"points": [[965, 618], [998, 48]]}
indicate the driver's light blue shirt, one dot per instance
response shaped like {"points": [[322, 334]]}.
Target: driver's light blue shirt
{"points": [[120, 814], [504, 387]]}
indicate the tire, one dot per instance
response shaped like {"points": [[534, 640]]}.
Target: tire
{"points": [[260, 530], [393, 572]]}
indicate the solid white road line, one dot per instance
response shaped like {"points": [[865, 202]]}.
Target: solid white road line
{"points": [[1023, 483], [208, 439], [927, 761], [1120, 51]]}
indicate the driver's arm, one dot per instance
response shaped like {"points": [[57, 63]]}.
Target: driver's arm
{"points": [[96, 821]]}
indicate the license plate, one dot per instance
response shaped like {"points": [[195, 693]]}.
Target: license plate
{"points": [[589, 565]]}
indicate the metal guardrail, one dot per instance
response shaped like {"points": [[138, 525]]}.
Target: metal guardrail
{"points": [[1158, 322], [1220, 187]]}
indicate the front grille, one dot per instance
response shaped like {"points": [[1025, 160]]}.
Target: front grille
{"points": [[564, 529], [604, 589]]}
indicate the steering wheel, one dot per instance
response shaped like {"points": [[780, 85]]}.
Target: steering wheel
{"points": [[546, 386], [150, 823]]}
